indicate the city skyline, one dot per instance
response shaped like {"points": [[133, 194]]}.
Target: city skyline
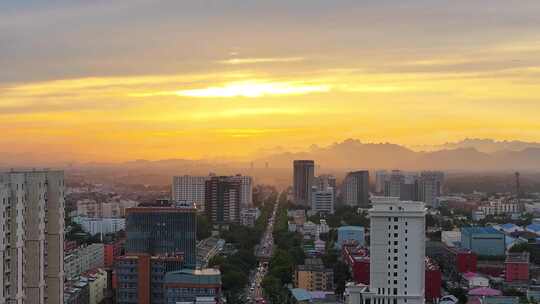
{"points": [[177, 80]]}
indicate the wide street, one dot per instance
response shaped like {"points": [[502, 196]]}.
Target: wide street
{"points": [[264, 253]]}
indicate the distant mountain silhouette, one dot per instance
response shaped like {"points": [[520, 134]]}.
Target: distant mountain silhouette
{"points": [[483, 145], [351, 154]]}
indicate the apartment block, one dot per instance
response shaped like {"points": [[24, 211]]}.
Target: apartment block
{"points": [[32, 237]]}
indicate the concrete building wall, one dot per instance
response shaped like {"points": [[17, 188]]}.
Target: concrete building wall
{"points": [[397, 267], [35, 244], [190, 189]]}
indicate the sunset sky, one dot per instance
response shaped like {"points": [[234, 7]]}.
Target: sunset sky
{"points": [[122, 80]]}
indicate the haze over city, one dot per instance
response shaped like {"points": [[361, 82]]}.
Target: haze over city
{"points": [[270, 152], [113, 82]]}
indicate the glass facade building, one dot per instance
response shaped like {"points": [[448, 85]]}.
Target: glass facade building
{"points": [[162, 231]]}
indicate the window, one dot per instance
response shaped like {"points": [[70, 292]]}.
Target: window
{"points": [[395, 219], [395, 235], [395, 243], [395, 226]]}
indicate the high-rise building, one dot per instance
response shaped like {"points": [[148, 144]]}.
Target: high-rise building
{"points": [[380, 178], [322, 200], [189, 189], [397, 270], [303, 179], [32, 237], [246, 190], [322, 182], [313, 276], [222, 200], [392, 184], [154, 231], [430, 186], [159, 240], [355, 189]]}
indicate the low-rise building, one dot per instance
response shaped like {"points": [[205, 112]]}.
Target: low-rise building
{"points": [[249, 216], [95, 226], [323, 227], [189, 285], [433, 279], [517, 267], [112, 208], [508, 228], [76, 292], [309, 230], [314, 276], [97, 283], [111, 251], [484, 241], [474, 280], [534, 228], [451, 238], [500, 206], [350, 233], [82, 259]]}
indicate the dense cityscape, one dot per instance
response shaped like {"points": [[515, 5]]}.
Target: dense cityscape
{"points": [[270, 152], [372, 237]]}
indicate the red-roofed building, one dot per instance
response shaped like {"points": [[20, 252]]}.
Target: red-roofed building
{"points": [[111, 251], [517, 267], [466, 261], [359, 263], [433, 280], [358, 260]]}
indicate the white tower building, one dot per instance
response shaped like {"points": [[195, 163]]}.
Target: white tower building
{"points": [[397, 254], [246, 190], [322, 201]]}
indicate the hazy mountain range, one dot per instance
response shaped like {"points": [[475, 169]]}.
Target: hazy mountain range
{"points": [[481, 144], [467, 155], [351, 154]]}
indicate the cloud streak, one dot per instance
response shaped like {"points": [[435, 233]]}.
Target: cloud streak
{"points": [[239, 61]]}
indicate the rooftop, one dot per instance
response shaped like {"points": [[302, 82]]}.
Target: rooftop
{"points": [[300, 294], [194, 276], [522, 257], [358, 228], [480, 230], [534, 227], [484, 291]]}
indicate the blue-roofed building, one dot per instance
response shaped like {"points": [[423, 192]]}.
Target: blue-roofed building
{"points": [[508, 228], [534, 228], [301, 295], [486, 241], [351, 233]]}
